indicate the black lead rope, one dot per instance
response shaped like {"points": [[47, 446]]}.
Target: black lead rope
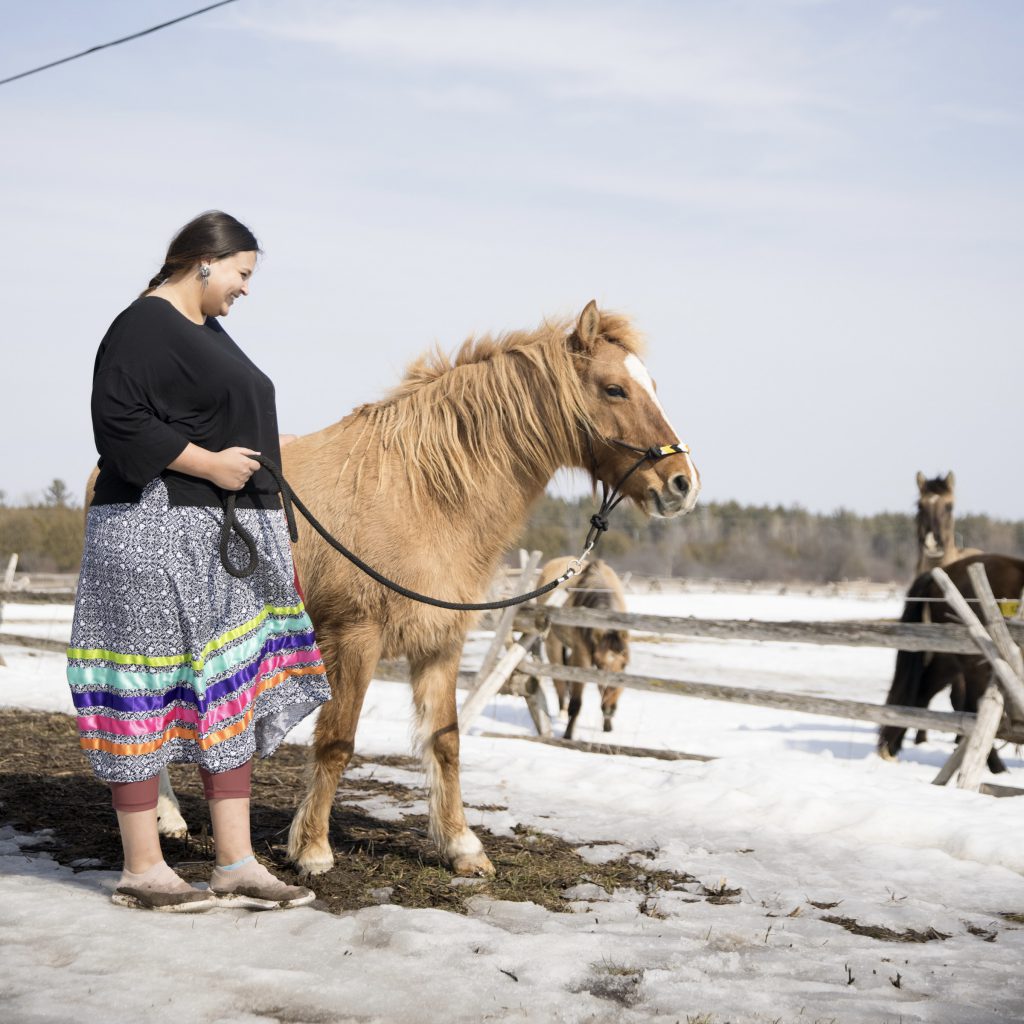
{"points": [[289, 498]]}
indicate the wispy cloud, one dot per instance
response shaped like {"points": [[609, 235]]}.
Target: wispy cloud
{"points": [[604, 53], [914, 15], [990, 117]]}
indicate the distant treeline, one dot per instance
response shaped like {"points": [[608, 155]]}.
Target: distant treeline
{"points": [[724, 541], [731, 541], [47, 537]]}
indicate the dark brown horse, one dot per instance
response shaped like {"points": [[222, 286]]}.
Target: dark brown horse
{"points": [[918, 678], [936, 532], [598, 586], [937, 547]]}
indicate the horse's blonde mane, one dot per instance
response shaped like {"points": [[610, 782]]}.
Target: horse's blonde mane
{"points": [[504, 405]]}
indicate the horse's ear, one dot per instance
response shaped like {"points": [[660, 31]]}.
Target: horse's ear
{"points": [[950, 480], [921, 481], [587, 327]]}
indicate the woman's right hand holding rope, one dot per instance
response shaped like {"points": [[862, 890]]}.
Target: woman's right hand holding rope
{"points": [[229, 469], [232, 468]]}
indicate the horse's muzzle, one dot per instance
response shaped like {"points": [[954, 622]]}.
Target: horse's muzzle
{"points": [[676, 497]]}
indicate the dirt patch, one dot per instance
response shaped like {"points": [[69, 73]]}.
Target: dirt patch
{"points": [[874, 931], [46, 784]]}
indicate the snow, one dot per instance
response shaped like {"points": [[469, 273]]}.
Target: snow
{"points": [[794, 808]]}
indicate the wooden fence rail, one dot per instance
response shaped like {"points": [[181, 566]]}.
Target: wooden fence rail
{"points": [[902, 636], [881, 714]]}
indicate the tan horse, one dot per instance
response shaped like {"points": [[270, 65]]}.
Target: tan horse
{"points": [[598, 586], [430, 486]]}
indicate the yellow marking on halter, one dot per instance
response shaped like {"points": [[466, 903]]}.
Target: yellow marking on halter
{"points": [[674, 449]]}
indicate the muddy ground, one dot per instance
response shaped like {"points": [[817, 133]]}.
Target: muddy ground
{"points": [[46, 784]]}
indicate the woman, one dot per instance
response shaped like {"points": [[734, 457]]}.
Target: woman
{"points": [[171, 658]]}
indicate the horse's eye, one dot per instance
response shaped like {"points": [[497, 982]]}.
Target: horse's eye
{"points": [[615, 391]]}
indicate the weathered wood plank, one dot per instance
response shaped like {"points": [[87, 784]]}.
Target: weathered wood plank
{"points": [[948, 770], [979, 743], [14, 596], [503, 627], [602, 748], [502, 671], [949, 639], [994, 621], [1012, 687], [38, 642], [881, 714]]}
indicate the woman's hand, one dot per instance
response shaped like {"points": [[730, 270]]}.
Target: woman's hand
{"points": [[229, 469], [232, 468]]}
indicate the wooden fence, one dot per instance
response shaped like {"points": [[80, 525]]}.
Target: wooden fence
{"points": [[999, 643], [510, 664]]}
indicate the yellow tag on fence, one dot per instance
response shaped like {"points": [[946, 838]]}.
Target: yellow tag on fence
{"points": [[1009, 609]]}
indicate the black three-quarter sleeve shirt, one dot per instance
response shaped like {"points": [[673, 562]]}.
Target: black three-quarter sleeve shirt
{"points": [[161, 381]]}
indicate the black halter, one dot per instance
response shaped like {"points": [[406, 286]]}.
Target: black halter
{"points": [[611, 498], [598, 524]]}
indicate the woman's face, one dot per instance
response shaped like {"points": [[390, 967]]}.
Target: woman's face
{"points": [[228, 279]]}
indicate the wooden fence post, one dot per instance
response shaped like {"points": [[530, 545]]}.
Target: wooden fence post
{"points": [[1005, 657], [994, 619], [502, 671], [1012, 686], [12, 565], [503, 629], [979, 742]]}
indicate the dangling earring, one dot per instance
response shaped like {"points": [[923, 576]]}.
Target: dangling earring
{"points": [[204, 274]]}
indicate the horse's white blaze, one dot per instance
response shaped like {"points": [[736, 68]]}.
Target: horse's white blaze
{"points": [[640, 374]]}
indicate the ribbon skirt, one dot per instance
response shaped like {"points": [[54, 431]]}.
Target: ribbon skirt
{"points": [[171, 659]]}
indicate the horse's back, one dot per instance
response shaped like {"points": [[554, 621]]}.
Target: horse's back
{"points": [[598, 586], [350, 485], [1005, 575]]}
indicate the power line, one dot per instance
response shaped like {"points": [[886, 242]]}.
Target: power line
{"points": [[116, 42]]}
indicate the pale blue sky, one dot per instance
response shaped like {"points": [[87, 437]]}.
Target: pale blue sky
{"points": [[812, 208]]}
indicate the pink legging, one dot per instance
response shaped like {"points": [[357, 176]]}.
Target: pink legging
{"points": [[142, 796]]}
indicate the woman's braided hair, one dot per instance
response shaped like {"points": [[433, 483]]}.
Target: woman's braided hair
{"points": [[213, 235]]}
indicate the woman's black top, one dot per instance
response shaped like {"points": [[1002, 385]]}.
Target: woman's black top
{"points": [[161, 381]]}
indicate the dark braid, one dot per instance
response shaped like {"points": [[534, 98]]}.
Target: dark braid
{"points": [[213, 235], [162, 275]]}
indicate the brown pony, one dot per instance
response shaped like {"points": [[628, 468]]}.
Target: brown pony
{"points": [[430, 486], [918, 678], [598, 586]]}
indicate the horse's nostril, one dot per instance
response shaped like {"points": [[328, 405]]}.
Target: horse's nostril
{"points": [[680, 484]]}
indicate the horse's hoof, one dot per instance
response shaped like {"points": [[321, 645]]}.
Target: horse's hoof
{"points": [[316, 859], [170, 823], [886, 755], [607, 725], [473, 865]]}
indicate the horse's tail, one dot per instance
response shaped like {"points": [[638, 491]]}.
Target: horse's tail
{"points": [[906, 680]]}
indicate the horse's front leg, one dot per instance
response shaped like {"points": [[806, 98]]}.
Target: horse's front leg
{"points": [[433, 688], [350, 656], [609, 702], [169, 821], [579, 658]]}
